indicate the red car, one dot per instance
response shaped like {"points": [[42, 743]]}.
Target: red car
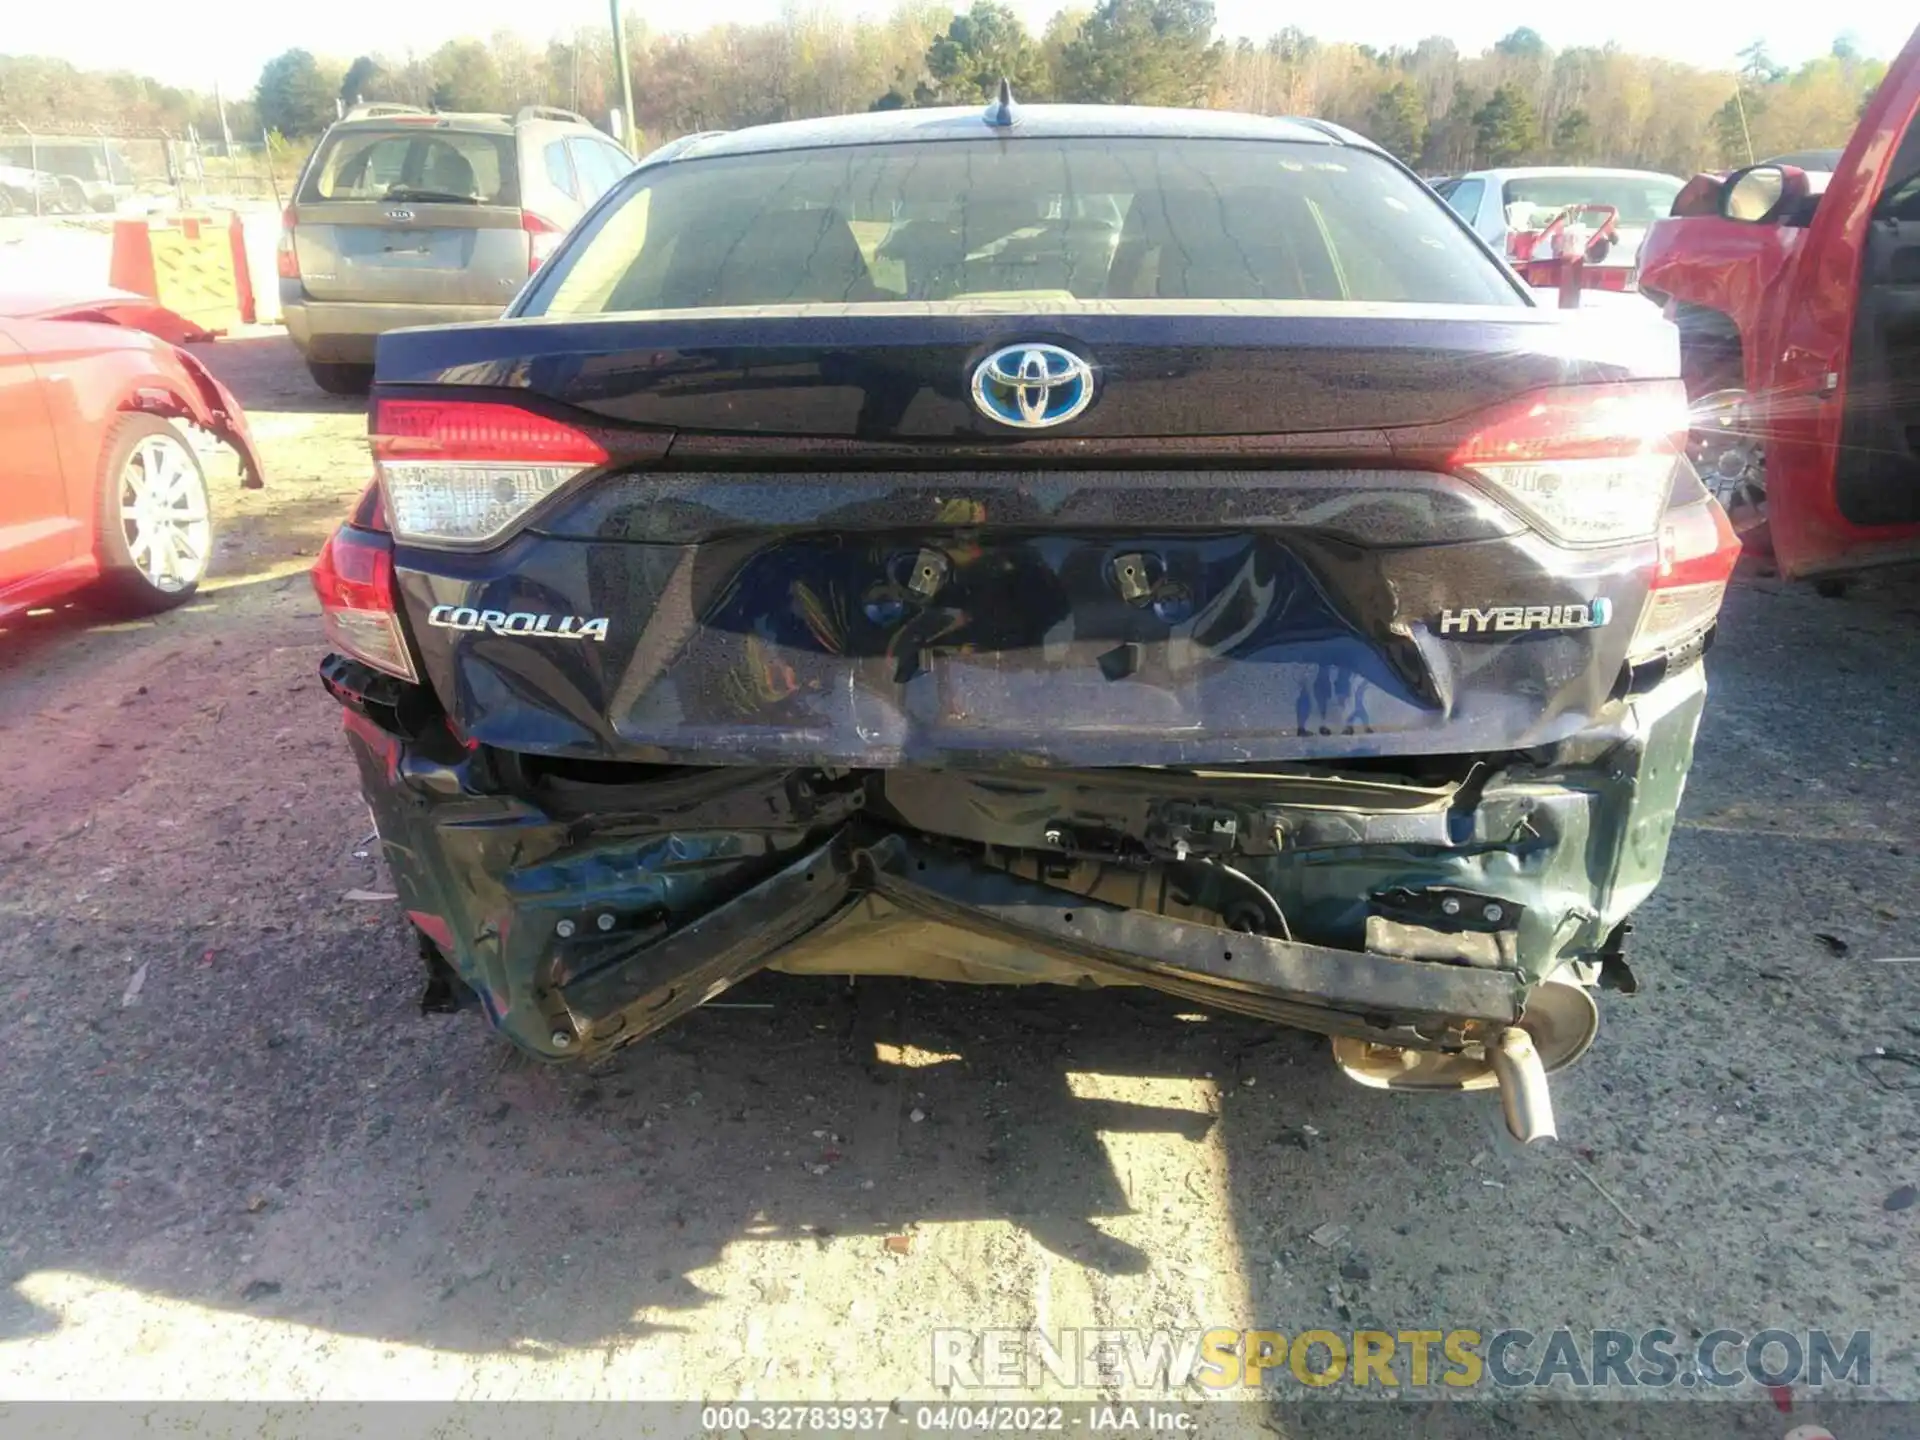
{"points": [[1797, 294], [101, 492]]}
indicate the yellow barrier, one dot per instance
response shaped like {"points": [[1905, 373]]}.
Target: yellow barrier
{"points": [[194, 265]]}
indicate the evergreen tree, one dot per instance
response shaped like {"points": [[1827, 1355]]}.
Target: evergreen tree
{"points": [[1143, 52], [1398, 121], [1506, 128], [294, 95], [980, 48]]}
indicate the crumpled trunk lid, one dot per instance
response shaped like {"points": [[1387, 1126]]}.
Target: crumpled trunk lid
{"points": [[1247, 548], [818, 648]]}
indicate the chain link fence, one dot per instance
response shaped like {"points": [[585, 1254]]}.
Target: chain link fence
{"points": [[77, 172]]}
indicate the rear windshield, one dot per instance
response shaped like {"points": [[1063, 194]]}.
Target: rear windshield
{"points": [[410, 163], [1639, 199], [1047, 220]]}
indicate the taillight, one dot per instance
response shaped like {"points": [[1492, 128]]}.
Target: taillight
{"points": [[462, 472], [543, 238], [286, 258], [1592, 464], [1698, 550], [354, 580]]}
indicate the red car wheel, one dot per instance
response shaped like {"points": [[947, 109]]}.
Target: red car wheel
{"points": [[156, 524]]}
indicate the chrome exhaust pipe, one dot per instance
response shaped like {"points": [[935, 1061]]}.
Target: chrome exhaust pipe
{"points": [[1555, 1029], [1524, 1098]]}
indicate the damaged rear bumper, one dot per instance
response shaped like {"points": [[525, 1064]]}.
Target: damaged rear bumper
{"points": [[1314, 986], [586, 910]]}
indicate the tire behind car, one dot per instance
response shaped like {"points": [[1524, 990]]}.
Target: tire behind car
{"points": [[340, 379]]}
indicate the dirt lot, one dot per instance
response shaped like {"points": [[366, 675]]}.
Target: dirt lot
{"points": [[236, 1161]]}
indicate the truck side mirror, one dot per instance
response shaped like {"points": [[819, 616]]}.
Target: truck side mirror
{"points": [[1765, 194], [1699, 196]]}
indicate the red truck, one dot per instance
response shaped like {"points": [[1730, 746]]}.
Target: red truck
{"points": [[1797, 294]]}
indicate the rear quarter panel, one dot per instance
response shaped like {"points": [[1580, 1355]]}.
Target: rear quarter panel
{"points": [[84, 370], [92, 373]]}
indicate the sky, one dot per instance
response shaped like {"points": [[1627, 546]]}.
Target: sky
{"points": [[227, 41]]}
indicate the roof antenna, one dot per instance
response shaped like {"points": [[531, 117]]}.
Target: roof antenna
{"points": [[1001, 113]]}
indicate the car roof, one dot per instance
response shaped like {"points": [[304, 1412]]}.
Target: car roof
{"points": [[1552, 172], [486, 122], [1827, 160], [969, 122], [434, 120], [17, 304]]}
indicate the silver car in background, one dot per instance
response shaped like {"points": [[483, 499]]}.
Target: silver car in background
{"points": [[409, 217], [1501, 204]]}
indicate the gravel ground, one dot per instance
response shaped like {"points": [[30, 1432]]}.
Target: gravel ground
{"points": [[236, 1162]]}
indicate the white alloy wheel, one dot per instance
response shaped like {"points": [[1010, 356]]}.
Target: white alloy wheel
{"points": [[164, 515]]}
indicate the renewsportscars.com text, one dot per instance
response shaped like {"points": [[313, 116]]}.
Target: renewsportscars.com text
{"points": [[1411, 1359]]}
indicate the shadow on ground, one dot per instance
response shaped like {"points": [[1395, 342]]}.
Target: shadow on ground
{"points": [[516, 1185]]}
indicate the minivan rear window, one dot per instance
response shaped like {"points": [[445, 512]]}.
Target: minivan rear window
{"points": [[1050, 220], [412, 163]]}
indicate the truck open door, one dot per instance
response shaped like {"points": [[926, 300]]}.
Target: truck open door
{"points": [[1843, 481]]}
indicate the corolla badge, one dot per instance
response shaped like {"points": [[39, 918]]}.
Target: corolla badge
{"points": [[519, 622], [1032, 387]]}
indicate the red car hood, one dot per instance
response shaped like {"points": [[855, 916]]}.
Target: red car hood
{"points": [[213, 406], [105, 306]]}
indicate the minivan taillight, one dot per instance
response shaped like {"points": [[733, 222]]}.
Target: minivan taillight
{"points": [[354, 579], [543, 238], [286, 258], [465, 472], [1592, 464], [1698, 550]]}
